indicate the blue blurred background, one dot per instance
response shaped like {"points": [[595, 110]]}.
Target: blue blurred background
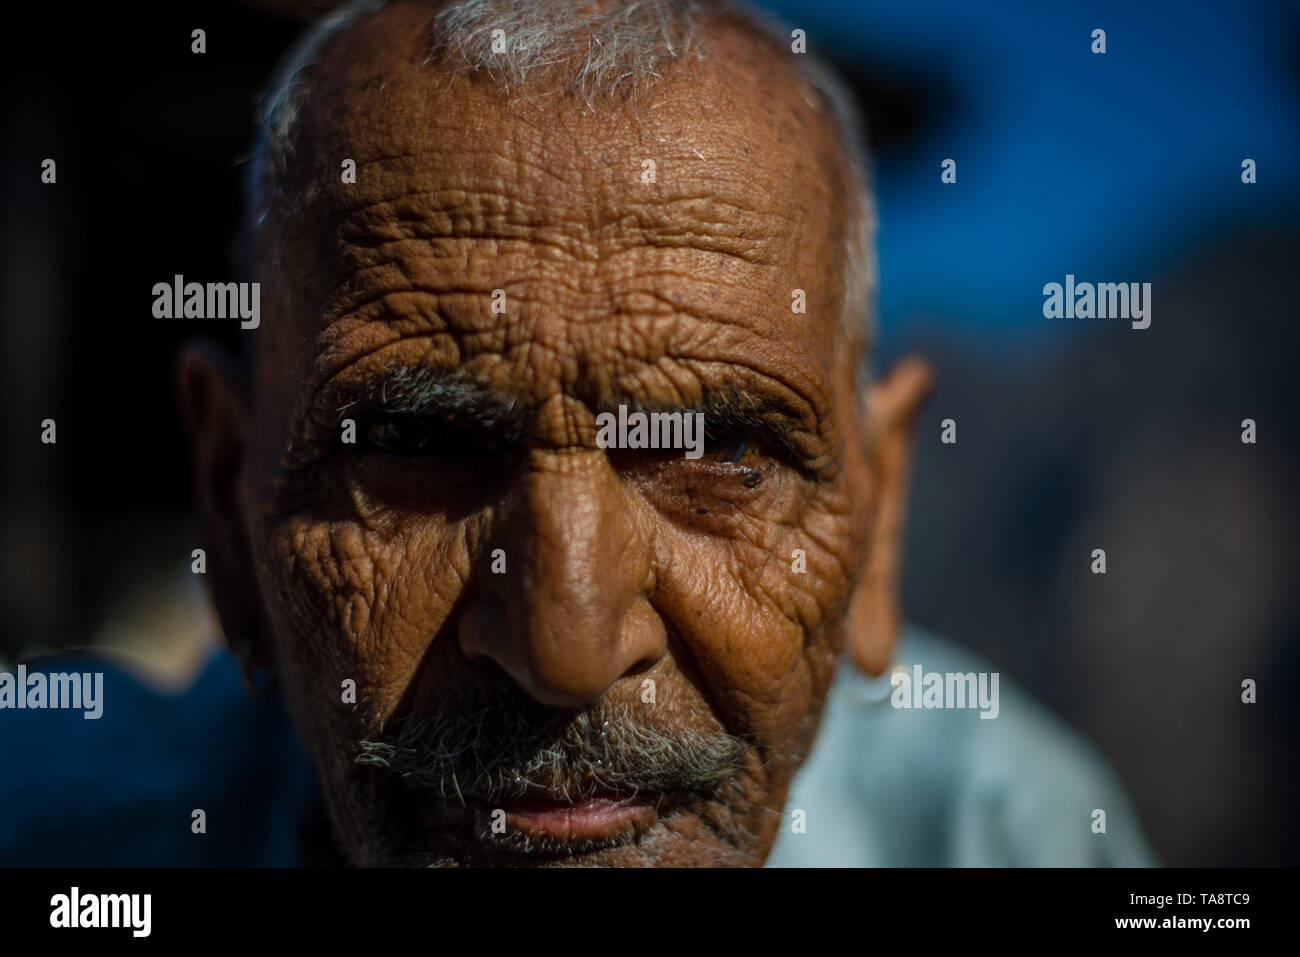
{"points": [[1113, 165]]}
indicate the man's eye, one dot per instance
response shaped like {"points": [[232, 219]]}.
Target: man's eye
{"points": [[412, 436], [727, 447], [400, 436]]}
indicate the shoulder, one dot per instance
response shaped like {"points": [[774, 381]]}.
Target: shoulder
{"points": [[943, 761], [121, 789]]}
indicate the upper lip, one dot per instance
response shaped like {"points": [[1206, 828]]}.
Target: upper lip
{"points": [[561, 798]]}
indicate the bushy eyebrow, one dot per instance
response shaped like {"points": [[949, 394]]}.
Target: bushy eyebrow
{"points": [[421, 391]]}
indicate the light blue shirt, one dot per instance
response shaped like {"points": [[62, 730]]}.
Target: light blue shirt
{"points": [[893, 787]]}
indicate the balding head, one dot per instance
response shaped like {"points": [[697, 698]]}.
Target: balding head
{"points": [[598, 55], [616, 652]]}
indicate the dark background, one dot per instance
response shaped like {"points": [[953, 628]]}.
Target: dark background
{"points": [[1073, 434]]}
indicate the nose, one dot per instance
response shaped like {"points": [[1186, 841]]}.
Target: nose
{"points": [[571, 614]]}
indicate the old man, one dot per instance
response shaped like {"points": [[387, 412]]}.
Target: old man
{"points": [[478, 228]]}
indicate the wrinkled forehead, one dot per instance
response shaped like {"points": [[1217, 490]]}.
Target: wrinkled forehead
{"points": [[729, 151]]}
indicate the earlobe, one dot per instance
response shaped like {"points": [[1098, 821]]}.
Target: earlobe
{"points": [[214, 405], [892, 406]]}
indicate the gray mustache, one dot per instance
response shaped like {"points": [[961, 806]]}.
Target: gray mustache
{"points": [[519, 749]]}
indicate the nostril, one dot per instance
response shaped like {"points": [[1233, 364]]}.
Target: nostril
{"points": [[641, 667]]}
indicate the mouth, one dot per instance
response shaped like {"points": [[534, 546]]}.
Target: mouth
{"points": [[599, 818]]}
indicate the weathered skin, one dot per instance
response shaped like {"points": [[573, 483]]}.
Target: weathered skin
{"points": [[332, 562]]}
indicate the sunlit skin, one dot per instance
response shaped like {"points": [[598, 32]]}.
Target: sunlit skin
{"points": [[372, 562]]}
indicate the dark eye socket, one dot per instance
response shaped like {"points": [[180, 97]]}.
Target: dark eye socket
{"points": [[398, 434], [421, 437]]}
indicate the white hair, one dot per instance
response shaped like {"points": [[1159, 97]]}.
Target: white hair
{"points": [[607, 46]]}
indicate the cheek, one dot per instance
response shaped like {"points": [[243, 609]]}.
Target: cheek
{"points": [[761, 607], [351, 600]]}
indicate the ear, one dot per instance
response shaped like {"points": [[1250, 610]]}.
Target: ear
{"points": [[892, 405], [213, 393]]}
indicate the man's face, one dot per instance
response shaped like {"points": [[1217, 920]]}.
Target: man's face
{"points": [[560, 652]]}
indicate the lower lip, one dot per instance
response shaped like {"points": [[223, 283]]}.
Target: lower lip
{"points": [[590, 819]]}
